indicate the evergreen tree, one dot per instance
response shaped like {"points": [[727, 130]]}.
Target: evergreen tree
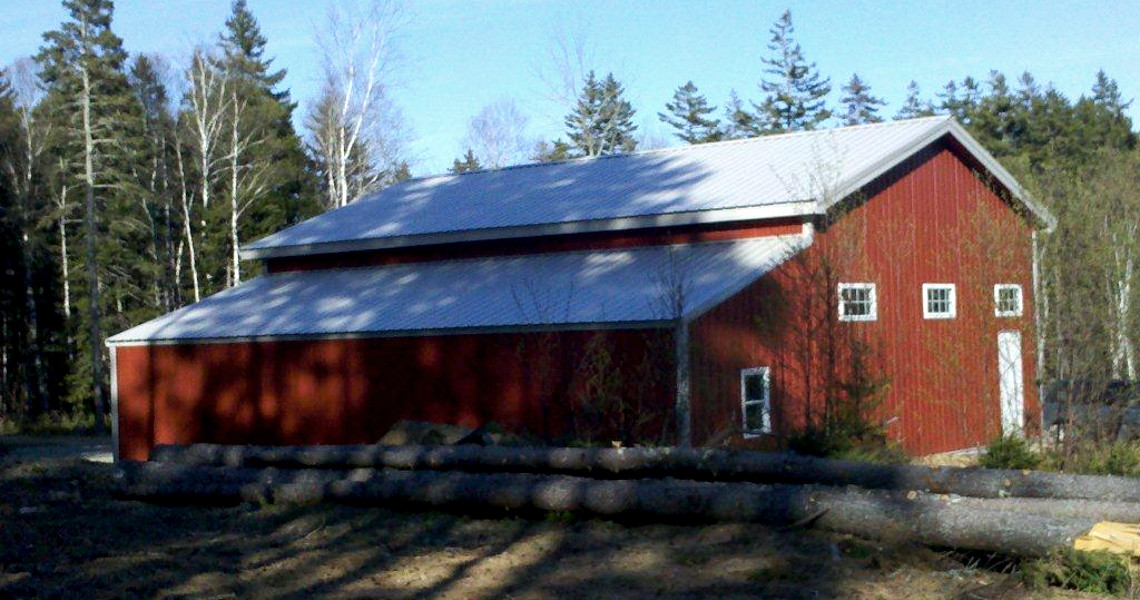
{"points": [[82, 65], [555, 151], [243, 48], [913, 106], [738, 122], [469, 163], [688, 113], [795, 92], [1102, 116], [602, 120], [271, 183], [1001, 118], [154, 166], [859, 106]]}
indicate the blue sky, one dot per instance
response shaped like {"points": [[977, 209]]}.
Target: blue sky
{"points": [[464, 54]]}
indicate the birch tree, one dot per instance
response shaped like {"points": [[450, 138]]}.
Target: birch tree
{"points": [[356, 131], [497, 135], [206, 107], [21, 167]]}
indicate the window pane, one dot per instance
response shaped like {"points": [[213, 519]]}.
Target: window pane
{"points": [[754, 417], [856, 302], [754, 387], [938, 300], [1009, 300]]}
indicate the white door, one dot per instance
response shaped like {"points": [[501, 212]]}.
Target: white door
{"points": [[1011, 375]]}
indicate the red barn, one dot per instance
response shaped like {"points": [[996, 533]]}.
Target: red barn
{"points": [[732, 291]]}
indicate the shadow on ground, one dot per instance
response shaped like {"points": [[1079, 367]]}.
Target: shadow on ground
{"points": [[62, 535]]}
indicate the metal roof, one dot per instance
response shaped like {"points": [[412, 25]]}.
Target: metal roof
{"points": [[601, 287], [770, 176]]}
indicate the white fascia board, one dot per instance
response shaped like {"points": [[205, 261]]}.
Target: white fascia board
{"points": [[726, 215], [365, 335], [1001, 174]]}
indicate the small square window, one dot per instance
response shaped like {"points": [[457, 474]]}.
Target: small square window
{"points": [[939, 301], [1007, 300], [755, 401], [857, 302]]}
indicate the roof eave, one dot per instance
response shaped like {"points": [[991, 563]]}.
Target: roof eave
{"points": [[402, 333]]}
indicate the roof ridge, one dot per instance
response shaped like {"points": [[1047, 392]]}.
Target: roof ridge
{"points": [[673, 149]]}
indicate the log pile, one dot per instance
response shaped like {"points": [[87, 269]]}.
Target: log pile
{"points": [[678, 463], [1015, 512]]}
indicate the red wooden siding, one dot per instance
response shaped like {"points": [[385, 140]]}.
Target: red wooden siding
{"points": [[352, 391], [929, 221], [561, 243]]}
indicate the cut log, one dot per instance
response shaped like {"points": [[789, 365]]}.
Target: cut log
{"points": [[884, 515], [694, 464]]}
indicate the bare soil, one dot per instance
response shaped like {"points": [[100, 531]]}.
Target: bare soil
{"points": [[63, 535]]}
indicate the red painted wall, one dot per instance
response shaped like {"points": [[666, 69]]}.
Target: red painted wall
{"points": [[353, 391], [560, 243], [929, 221]]}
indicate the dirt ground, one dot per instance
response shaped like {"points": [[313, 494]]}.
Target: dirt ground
{"points": [[63, 535]]}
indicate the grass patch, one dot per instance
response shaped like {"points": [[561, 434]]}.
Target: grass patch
{"points": [[54, 423], [1117, 458], [849, 443], [1095, 572]]}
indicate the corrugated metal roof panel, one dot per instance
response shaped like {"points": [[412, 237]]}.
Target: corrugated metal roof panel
{"points": [[591, 287], [764, 171]]}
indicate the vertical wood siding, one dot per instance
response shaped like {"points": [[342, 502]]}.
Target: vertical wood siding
{"points": [[353, 391], [932, 220]]}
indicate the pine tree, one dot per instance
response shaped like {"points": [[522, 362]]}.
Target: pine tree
{"points": [[1102, 116], [859, 106], [688, 113], [914, 106], [469, 163], [951, 103], [795, 91], [602, 120], [555, 151], [82, 65], [155, 165], [1001, 119], [243, 48], [738, 122]]}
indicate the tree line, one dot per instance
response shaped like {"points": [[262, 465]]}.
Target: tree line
{"points": [[128, 183]]}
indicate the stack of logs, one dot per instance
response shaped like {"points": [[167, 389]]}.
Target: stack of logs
{"points": [[1016, 512]]}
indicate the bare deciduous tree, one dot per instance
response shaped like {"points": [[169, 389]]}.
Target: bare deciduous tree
{"points": [[207, 104], [356, 130], [497, 135]]}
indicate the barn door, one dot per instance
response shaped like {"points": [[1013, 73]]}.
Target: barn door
{"points": [[1011, 376]]}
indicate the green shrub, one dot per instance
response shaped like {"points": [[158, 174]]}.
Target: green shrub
{"points": [[1010, 452], [1096, 572]]}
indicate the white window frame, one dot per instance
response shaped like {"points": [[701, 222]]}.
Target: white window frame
{"points": [[765, 402], [998, 289], [873, 315], [927, 288]]}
